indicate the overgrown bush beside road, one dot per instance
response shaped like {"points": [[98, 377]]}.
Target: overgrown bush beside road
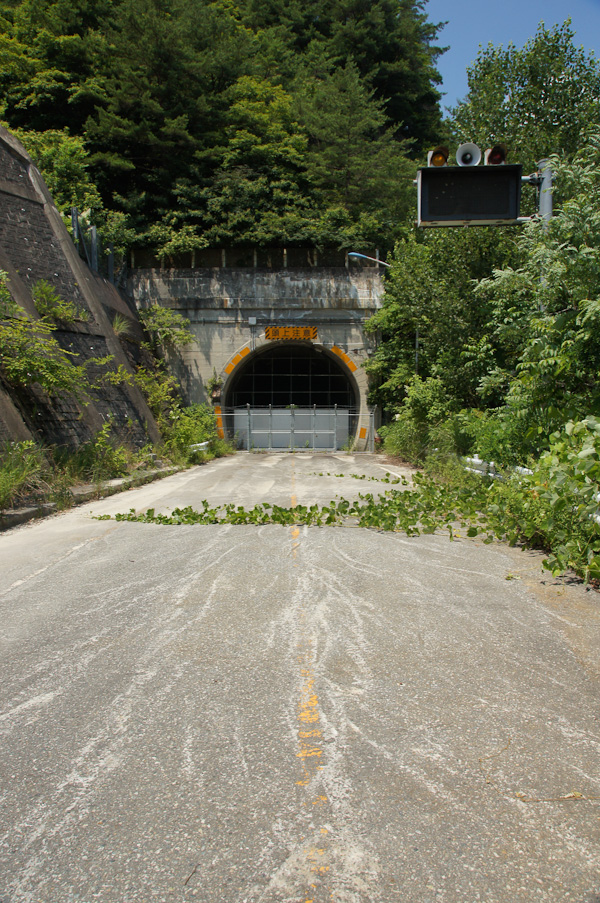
{"points": [[24, 471], [31, 474], [508, 364], [555, 507], [30, 356]]}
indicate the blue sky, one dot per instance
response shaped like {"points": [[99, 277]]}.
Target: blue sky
{"points": [[501, 21]]}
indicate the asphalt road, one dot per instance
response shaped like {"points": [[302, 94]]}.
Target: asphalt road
{"points": [[242, 714]]}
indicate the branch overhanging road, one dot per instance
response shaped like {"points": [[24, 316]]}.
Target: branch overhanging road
{"points": [[285, 714]]}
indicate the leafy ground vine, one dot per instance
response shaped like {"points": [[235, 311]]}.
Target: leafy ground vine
{"points": [[554, 508]]}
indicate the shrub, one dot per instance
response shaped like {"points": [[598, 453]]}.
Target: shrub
{"points": [[23, 471], [190, 426], [556, 507], [160, 391], [51, 306], [496, 436], [103, 458], [418, 426], [166, 328], [30, 354], [404, 439]]}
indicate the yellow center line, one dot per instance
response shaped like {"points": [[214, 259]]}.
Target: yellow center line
{"points": [[309, 733]]}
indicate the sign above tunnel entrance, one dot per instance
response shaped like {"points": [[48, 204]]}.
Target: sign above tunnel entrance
{"points": [[282, 333]]}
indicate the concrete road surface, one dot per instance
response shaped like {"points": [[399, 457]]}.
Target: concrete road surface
{"points": [[291, 715]]}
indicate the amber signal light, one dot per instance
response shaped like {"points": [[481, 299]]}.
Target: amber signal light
{"points": [[438, 157]]}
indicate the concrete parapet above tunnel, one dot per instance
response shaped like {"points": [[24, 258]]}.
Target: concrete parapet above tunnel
{"points": [[238, 316]]}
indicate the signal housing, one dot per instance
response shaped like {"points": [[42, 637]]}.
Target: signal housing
{"points": [[438, 156], [496, 155], [469, 195]]}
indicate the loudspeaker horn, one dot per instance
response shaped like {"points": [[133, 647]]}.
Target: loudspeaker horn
{"points": [[468, 155]]}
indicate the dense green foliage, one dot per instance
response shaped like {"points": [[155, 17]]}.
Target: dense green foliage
{"points": [[31, 474], [504, 359], [51, 307], [537, 98], [31, 357], [506, 319], [23, 467], [30, 354], [187, 122], [166, 328]]}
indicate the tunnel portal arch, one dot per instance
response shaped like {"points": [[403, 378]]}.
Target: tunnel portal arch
{"points": [[289, 374], [294, 395]]}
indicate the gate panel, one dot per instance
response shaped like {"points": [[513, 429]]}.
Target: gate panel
{"points": [[322, 429]]}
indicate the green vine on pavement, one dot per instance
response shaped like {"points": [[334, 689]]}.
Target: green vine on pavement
{"points": [[555, 508]]}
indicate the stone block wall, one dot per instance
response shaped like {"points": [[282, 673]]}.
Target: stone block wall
{"points": [[35, 245]]}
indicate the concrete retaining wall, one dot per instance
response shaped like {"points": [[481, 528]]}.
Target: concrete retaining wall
{"points": [[34, 245]]}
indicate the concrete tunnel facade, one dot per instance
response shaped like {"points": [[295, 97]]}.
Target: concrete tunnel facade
{"points": [[290, 337]]}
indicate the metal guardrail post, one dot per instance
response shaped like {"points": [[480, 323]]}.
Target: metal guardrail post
{"points": [[292, 438], [314, 429], [249, 427], [111, 263], [270, 427], [75, 226], [335, 428]]}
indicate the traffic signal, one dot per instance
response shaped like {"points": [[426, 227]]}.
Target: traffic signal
{"points": [[496, 155], [438, 157], [468, 194]]}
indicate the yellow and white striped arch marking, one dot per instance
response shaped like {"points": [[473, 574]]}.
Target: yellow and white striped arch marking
{"points": [[237, 359], [352, 367], [229, 368], [245, 351], [346, 359]]}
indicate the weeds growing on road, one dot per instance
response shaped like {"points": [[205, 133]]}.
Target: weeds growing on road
{"points": [[426, 507], [555, 508], [31, 474], [363, 476]]}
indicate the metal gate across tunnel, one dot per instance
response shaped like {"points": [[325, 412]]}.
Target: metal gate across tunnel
{"points": [[294, 396], [298, 429]]}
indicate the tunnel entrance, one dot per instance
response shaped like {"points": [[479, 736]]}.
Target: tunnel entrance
{"points": [[291, 396], [286, 375]]}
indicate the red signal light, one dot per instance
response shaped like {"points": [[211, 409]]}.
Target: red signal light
{"points": [[496, 155]]}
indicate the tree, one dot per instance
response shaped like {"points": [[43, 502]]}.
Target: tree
{"points": [[430, 293], [259, 191], [547, 309], [192, 115], [390, 42], [354, 164], [536, 99], [65, 163], [393, 46], [61, 48]]}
